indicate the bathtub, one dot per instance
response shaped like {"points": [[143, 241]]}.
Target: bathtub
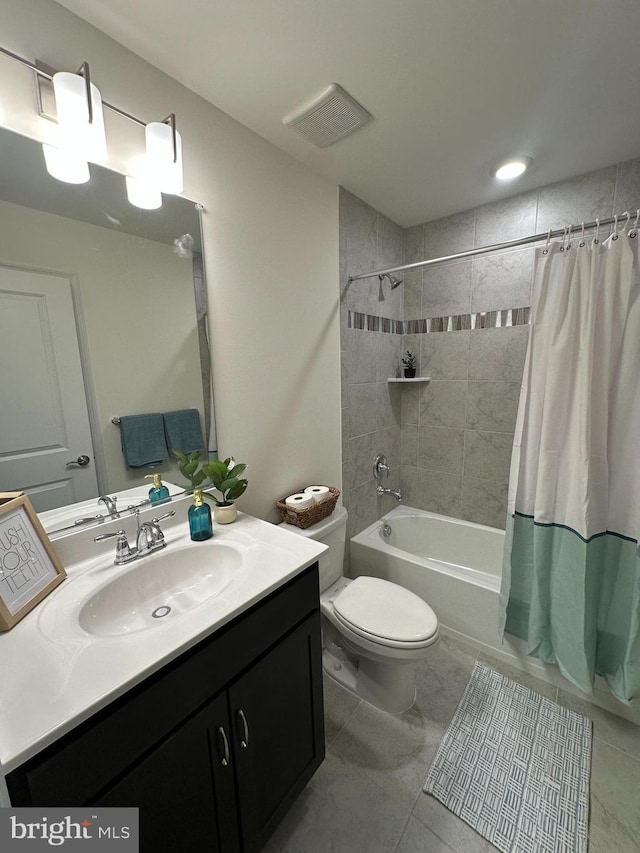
{"points": [[454, 565]]}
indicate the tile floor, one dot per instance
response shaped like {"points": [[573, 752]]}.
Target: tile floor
{"points": [[367, 796]]}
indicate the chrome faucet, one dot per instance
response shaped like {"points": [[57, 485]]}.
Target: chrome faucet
{"points": [[380, 491], [149, 538], [110, 503]]}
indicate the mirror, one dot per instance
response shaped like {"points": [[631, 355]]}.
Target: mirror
{"points": [[102, 314]]}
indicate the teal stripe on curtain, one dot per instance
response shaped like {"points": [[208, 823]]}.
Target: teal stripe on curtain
{"points": [[576, 602]]}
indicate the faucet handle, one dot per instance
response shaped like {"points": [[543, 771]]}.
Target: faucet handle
{"points": [[155, 533], [124, 552], [380, 467], [169, 514]]}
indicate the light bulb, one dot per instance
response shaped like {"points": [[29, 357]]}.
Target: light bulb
{"points": [[76, 132], [160, 162], [65, 165], [144, 194]]}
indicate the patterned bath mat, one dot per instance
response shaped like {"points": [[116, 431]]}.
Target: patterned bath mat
{"points": [[515, 766]]}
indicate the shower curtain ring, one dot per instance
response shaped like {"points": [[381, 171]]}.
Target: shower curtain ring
{"points": [[569, 236], [564, 238], [595, 239], [582, 243], [626, 224], [634, 230], [545, 251], [615, 228]]}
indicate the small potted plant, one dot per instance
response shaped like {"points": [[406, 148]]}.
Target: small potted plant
{"points": [[409, 360], [223, 477]]}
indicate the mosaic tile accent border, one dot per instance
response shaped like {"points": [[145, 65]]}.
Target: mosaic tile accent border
{"points": [[454, 323]]}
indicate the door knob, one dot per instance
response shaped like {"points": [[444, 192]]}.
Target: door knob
{"points": [[82, 461]]}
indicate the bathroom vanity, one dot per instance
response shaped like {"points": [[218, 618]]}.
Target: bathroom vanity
{"points": [[216, 741]]}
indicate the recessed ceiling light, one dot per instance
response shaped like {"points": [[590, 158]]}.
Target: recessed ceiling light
{"points": [[511, 168]]}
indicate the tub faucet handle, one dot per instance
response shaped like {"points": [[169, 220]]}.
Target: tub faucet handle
{"points": [[380, 467]]}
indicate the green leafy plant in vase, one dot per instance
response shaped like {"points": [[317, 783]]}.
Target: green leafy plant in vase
{"points": [[223, 477], [409, 360]]}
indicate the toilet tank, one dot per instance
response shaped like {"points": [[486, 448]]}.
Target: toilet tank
{"points": [[330, 531]]}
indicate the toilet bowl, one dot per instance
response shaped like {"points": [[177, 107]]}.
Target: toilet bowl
{"points": [[373, 631]]}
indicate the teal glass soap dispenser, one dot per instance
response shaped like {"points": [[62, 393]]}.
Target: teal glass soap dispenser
{"points": [[200, 526], [158, 493]]}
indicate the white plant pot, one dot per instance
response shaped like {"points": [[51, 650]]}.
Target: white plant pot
{"points": [[225, 514]]}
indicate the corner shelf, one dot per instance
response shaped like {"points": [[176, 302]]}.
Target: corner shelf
{"points": [[415, 379]]}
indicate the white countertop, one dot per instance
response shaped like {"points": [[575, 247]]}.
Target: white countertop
{"points": [[54, 675]]}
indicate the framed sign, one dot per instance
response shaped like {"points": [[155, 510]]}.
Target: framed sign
{"points": [[29, 567]]}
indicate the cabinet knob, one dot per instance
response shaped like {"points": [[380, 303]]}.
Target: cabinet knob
{"points": [[225, 744], [244, 741]]}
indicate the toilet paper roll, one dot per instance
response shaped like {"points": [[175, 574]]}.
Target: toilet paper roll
{"points": [[300, 501], [319, 492]]}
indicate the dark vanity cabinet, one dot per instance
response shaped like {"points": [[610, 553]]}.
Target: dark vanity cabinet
{"points": [[213, 748]]}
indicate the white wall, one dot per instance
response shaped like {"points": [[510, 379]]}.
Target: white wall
{"points": [[270, 245]]}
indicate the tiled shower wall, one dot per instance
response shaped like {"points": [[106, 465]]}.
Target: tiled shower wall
{"points": [[371, 412], [456, 432]]}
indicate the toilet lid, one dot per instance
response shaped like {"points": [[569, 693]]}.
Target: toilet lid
{"points": [[386, 610]]}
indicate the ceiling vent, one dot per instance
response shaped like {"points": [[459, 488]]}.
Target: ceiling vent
{"points": [[330, 116]]}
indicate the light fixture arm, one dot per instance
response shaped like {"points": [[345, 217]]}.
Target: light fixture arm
{"points": [[171, 121], [84, 71]]}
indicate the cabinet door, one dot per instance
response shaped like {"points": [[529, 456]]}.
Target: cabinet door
{"points": [[184, 788], [278, 730]]}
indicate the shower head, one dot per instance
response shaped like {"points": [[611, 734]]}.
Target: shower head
{"points": [[393, 281]]}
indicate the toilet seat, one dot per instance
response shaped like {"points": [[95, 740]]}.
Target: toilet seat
{"points": [[386, 613]]}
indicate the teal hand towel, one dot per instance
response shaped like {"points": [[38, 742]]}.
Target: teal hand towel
{"points": [[142, 439], [182, 430]]}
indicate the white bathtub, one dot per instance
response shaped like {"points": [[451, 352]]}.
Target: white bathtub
{"points": [[454, 565]]}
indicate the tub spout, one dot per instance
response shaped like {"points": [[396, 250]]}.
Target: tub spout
{"points": [[380, 491]]}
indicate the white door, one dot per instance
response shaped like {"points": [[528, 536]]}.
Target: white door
{"points": [[45, 438]]}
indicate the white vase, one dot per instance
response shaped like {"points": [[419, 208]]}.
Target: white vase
{"points": [[225, 514]]}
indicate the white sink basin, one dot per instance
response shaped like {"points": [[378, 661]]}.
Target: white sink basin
{"points": [[159, 588]]}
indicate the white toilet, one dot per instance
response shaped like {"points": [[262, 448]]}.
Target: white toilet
{"points": [[373, 631]]}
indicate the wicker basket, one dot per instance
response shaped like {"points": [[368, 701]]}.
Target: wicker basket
{"points": [[312, 514]]}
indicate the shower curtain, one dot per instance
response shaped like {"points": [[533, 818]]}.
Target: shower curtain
{"points": [[571, 574]]}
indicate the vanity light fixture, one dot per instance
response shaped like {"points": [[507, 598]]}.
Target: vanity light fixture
{"points": [[80, 136], [80, 116], [160, 168], [164, 154], [512, 168], [65, 165], [143, 193]]}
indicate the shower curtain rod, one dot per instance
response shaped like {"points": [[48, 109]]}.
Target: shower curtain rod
{"points": [[510, 244]]}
